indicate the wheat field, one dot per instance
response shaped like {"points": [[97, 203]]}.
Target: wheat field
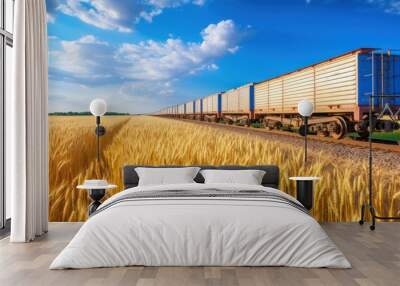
{"points": [[158, 141]]}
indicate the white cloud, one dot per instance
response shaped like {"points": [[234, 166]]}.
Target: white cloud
{"points": [[90, 39], [51, 5], [393, 7], [104, 14], [90, 58], [66, 96], [173, 3], [139, 89], [119, 15], [173, 58], [86, 57], [50, 18], [213, 67], [388, 6], [138, 73]]}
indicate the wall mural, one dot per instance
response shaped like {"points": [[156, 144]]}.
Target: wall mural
{"points": [[203, 83]]}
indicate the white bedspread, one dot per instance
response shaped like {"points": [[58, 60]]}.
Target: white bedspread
{"points": [[200, 231]]}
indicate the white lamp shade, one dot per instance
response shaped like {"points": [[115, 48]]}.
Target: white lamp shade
{"points": [[98, 107], [305, 108]]}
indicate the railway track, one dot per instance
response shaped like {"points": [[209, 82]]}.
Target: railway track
{"points": [[376, 145]]}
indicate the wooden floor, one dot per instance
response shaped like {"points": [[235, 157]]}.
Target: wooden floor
{"points": [[375, 257]]}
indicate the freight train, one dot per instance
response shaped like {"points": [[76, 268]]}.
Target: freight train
{"points": [[340, 89]]}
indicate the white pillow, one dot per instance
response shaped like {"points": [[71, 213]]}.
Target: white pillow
{"points": [[166, 176], [248, 177]]}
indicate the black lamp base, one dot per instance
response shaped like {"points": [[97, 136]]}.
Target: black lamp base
{"points": [[96, 195], [304, 193]]}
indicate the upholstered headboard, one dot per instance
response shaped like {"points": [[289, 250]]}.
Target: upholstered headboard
{"points": [[271, 177]]}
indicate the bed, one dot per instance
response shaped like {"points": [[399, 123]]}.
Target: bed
{"points": [[197, 224]]}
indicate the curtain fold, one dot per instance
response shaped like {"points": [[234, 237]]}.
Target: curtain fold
{"points": [[27, 123]]}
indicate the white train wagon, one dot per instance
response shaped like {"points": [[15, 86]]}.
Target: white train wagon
{"points": [[198, 109], [190, 107], [212, 107], [181, 111], [237, 105]]}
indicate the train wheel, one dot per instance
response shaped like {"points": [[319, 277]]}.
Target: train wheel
{"points": [[266, 125], [272, 124], [278, 125], [302, 130], [363, 134], [323, 133], [340, 128]]}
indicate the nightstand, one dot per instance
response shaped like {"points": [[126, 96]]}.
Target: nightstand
{"points": [[96, 193], [305, 190]]}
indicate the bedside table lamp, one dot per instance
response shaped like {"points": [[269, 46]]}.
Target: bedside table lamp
{"points": [[98, 107], [306, 109], [305, 185]]}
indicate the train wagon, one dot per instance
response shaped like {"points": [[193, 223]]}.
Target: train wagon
{"points": [[237, 105], [190, 110], [338, 87], [198, 110], [212, 107], [181, 111]]}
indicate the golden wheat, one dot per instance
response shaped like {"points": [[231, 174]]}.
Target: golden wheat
{"points": [[157, 141]]}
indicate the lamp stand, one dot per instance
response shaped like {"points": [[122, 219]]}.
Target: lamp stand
{"points": [[305, 138], [371, 125], [100, 131], [370, 205], [98, 137]]}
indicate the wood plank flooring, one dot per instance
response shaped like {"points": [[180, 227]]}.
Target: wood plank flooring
{"points": [[375, 257]]}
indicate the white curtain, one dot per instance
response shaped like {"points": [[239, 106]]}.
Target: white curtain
{"points": [[26, 123]]}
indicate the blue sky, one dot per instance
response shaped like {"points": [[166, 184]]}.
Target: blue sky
{"points": [[141, 55]]}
